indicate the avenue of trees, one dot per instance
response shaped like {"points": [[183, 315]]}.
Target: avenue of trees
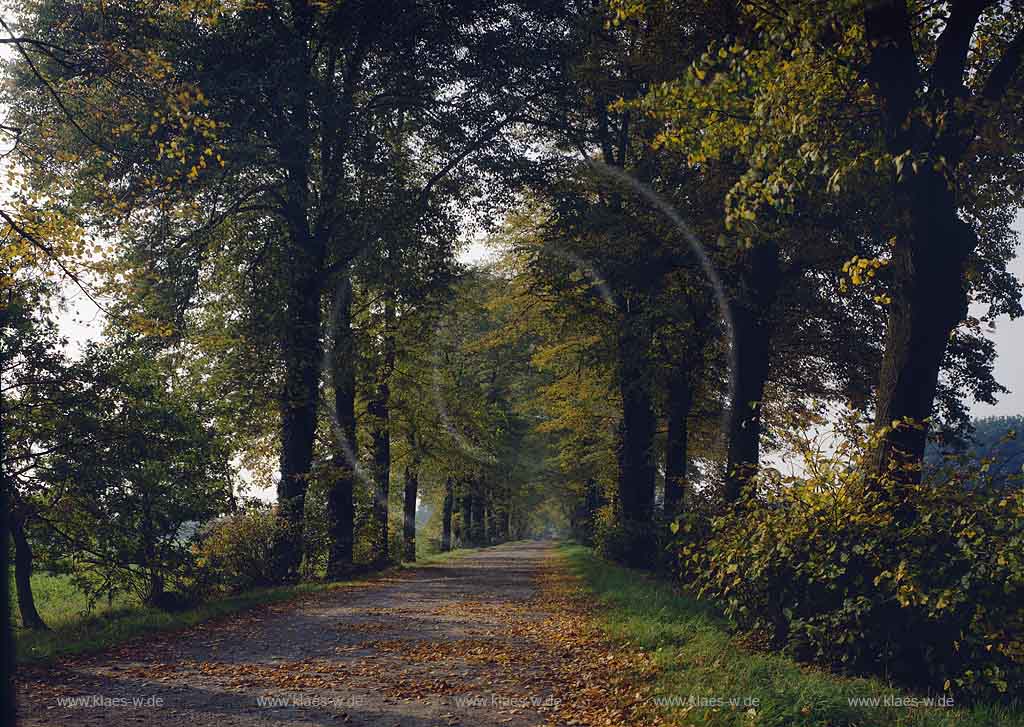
{"points": [[718, 231]]}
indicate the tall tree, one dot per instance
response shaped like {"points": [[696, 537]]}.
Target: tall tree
{"points": [[930, 137]]}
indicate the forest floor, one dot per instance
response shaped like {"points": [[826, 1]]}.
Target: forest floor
{"points": [[500, 637]]}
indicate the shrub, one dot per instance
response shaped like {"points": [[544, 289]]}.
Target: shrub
{"points": [[316, 538], [235, 553], [123, 502], [925, 584], [636, 544]]}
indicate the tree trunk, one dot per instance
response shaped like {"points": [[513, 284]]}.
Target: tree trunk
{"points": [[446, 515], [499, 508], [636, 430], [150, 560], [379, 410], [8, 708], [680, 398], [30, 617], [929, 289], [751, 319], [516, 526], [340, 506], [506, 523], [298, 405], [300, 329], [488, 521], [409, 519], [157, 597], [493, 528], [466, 513], [929, 299], [381, 493], [477, 530]]}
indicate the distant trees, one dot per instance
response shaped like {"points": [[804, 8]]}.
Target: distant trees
{"points": [[479, 376], [995, 444], [707, 330]]}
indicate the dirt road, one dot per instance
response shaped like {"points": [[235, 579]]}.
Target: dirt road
{"points": [[478, 641]]}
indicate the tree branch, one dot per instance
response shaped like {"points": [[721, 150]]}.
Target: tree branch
{"points": [[951, 48], [1006, 67]]}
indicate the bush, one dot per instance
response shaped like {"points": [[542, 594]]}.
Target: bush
{"points": [[924, 584], [635, 544], [235, 553]]}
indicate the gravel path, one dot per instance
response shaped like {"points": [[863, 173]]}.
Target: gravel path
{"points": [[464, 643]]}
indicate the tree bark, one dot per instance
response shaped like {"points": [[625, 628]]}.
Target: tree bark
{"points": [[300, 331], [680, 399], [929, 289], [379, 410], [155, 592], [298, 404], [446, 515], [488, 522], [30, 617], [477, 530], [340, 506], [499, 516], [929, 300], [636, 430], [409, 514], [506, 523], [8, 707], [466, 513], [751, 319]]}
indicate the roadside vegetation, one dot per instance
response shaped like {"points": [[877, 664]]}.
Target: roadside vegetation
{"points": [[700, 660]]}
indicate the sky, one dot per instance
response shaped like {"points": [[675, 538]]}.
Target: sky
{"points": [[1009, 340]]}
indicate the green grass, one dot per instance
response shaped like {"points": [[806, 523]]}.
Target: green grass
{"points": [[60, 603], [432, 558], [73, 631], [697, 656]]}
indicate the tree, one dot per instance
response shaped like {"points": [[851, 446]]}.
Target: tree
{"points": [[123, 500], [36, 384], [930, 135], [935, 116]]}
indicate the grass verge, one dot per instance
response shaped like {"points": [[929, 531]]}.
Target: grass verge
{"points": [[699, 662], [73, 632]]}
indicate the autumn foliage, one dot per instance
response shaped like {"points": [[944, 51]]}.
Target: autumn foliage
{"points": [[925, 585]]}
